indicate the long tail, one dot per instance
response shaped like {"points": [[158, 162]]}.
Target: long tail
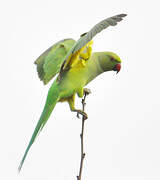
{"points": [[51, 101]]}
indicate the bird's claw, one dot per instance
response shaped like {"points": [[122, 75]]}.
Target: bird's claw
{"points": [[87, 91], [84, 114], [78, 115]]}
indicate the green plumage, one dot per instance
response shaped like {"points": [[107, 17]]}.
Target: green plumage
{"points": [[49, 63], [51, 101], [77, 66]]}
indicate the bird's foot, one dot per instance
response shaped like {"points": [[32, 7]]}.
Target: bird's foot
{"points": [[86, 91], [84, 114]]}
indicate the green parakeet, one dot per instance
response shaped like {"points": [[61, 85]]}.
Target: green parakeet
{"points": [[77, 66]]}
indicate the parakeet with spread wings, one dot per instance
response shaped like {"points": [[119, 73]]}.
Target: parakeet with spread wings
{"points": [[76, 66]]}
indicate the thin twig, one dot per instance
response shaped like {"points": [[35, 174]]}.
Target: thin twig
{"points": [[82, 139]]}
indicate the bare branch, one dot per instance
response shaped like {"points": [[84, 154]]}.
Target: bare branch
{"points": [[86, 92]]}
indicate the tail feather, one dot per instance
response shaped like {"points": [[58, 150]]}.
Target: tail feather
{"points": [[42, 121]]}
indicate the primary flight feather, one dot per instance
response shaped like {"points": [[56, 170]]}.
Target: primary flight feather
{"points": [[77, 66]]}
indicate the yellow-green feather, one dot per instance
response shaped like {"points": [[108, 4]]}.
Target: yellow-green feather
{"points": [[49, 63]]}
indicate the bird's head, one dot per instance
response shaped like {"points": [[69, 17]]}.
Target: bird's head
{"points": [[110, 61]]}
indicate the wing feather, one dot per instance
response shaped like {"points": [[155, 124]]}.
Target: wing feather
{"points": [[49, 63], [112, 21], [87, 37]]}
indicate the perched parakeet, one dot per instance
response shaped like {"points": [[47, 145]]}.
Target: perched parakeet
{"points": [[77, 66]]}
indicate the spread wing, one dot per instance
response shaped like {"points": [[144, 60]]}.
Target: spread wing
{"points": [[49, 63], [85, 40]]}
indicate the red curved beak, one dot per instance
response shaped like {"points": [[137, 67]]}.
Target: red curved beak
{"points": [[117, 67]]}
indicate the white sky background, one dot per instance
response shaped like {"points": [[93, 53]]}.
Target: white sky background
{"points": [[122, 134]]}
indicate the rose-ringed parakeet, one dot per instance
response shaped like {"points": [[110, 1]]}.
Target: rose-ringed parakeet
{"points": [[77, 66]]}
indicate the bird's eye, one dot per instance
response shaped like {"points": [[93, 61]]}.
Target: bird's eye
{"points": [[112, 59]]}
